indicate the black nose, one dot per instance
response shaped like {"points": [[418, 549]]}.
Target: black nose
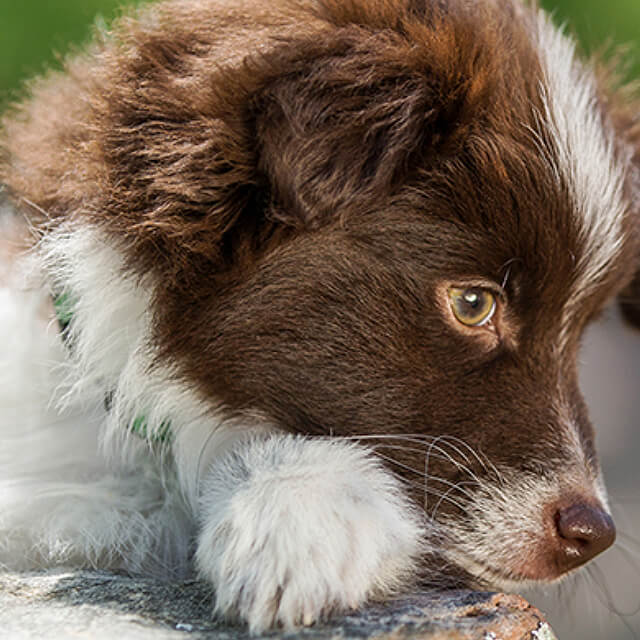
{"points": [[584, 532]]}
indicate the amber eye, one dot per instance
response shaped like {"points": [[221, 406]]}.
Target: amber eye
{"points": [[472, 307]]}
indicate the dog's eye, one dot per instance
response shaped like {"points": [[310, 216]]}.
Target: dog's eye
{"points": [[473, 307]]}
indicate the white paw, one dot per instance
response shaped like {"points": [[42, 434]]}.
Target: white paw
{"points": [[293, 529]]}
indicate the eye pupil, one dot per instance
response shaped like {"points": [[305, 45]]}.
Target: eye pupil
{"points": [[472, 299]]}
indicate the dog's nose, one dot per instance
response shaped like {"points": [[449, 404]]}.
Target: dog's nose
{"points": [[584, 531]]}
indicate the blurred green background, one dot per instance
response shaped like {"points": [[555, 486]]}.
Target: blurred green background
{"points": [[34, 31], [34, 34]]}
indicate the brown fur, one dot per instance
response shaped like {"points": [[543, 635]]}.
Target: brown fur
{"points": [[302, 181]]}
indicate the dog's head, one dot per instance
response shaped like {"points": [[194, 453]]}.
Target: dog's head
{"points": [[383, 220]]}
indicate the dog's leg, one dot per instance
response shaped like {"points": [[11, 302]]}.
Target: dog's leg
{"points": [[293, 528]]}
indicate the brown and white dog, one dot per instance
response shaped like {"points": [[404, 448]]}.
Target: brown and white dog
{"points": [[323, 267]]}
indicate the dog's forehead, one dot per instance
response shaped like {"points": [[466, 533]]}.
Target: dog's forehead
{"points": [[545, 189]]}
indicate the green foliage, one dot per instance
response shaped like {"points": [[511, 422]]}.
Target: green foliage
{"points": [[602, 24], [35, 34]]}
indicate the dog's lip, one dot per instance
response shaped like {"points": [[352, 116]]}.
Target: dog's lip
{"points": [[489, 577]]}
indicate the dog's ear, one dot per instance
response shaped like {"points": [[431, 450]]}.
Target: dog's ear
{"points": [[351, 115], [620, 101], [629, 301], [629, 124], [186, 160], [317, 124]]}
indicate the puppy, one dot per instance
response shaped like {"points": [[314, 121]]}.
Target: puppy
{"points": [[320, 270]]}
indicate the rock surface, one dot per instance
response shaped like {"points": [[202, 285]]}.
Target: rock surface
{"points": [[102, 606]]}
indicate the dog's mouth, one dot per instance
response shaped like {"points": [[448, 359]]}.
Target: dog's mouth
{"points": [[525, 532], [483, 575], [580, 532], [464, 571]]}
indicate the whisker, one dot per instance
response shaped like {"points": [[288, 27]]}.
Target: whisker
{"points": [[632, 556], [203, 449], [421, 438], [435, 492], [630, 539], [462, 467], [38, 208], [425, 474], [460, 442], [435, 447], [438, 456], [607, 600], [200, 459], [435, 444], [448, 498], [483, 460], [418, 439]]}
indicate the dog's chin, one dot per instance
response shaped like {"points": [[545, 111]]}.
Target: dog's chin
{"points": [[472, 574]]}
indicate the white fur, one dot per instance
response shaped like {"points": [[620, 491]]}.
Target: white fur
{"points": [[593, 483], [505, 525], [294, 528], [583, 157], [61, 502], [113, 352]]}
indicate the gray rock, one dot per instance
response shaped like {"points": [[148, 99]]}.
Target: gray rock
{"points": [[99, 606]]}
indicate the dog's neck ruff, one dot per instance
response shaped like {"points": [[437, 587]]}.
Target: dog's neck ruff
{"points": [[64, 305]]}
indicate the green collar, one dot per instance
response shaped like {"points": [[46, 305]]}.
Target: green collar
{"points": [[64, 306]]}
